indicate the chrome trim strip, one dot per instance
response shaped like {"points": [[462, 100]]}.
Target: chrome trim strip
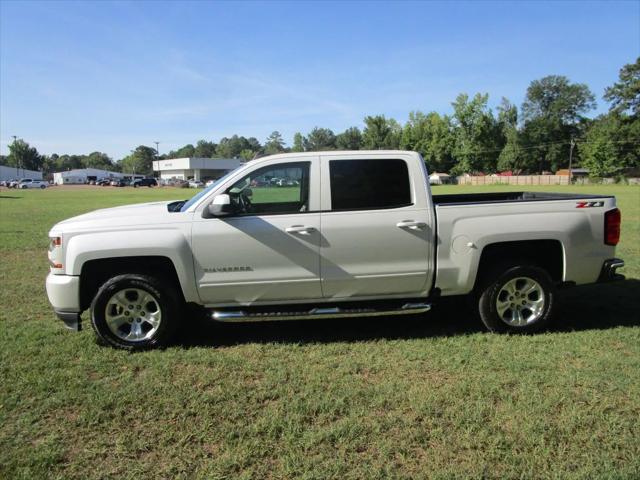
{"points": [[227, 316], [329, 312]]}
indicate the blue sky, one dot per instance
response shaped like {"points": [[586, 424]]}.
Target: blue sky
{"points": [[108, 76]]}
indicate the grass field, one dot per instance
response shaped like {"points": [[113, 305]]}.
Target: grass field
{"points": [[431, 396]]}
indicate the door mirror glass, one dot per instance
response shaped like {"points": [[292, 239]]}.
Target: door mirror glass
{"points": [[220, 207]]}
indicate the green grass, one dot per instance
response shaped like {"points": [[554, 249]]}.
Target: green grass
{"points": [[430, 396], [275, 194]]}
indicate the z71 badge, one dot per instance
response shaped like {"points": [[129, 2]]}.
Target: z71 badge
{"points": [[589, 204]]}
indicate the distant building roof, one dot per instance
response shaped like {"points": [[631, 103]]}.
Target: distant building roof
{"points": [[86, 171], [189, 163]]}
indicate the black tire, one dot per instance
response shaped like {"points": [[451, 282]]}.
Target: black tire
{"points": [[169, 303], [489, 292]]}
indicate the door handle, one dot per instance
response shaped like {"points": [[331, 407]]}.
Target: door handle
{"points": [[412, 224], [301, 229]]}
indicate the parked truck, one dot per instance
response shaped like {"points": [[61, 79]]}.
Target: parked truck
{"points": [[357, 234]]}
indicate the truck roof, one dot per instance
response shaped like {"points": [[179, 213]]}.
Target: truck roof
{"points": [[338, 152], [332, 152]]}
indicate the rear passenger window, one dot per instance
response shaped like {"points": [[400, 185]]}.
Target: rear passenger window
{"points": [[369, 184]]}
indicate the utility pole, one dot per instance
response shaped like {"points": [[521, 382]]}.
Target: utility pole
{"points": [[571, 145]]}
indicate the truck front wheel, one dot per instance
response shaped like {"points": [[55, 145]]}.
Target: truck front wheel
{"points": [[521, 299], [135, 312]]}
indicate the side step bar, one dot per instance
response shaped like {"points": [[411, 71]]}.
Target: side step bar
{"points": [[230, 316]]}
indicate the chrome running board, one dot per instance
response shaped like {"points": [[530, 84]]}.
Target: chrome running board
{"points": [[230, 316]]}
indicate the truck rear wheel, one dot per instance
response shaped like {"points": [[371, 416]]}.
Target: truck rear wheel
{"points": [[135, 312], [520, 299]]}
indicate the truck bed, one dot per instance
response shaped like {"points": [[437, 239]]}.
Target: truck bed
{"points": [[508, 197]]}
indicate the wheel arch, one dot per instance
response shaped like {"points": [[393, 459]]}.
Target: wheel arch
{"points": [[547, 254], [95, 272]]}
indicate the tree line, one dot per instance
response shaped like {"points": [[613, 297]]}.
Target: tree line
{"points": [[549, 127]]}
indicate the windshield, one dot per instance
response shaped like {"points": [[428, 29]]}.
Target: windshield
{"points": [[204, 192]]}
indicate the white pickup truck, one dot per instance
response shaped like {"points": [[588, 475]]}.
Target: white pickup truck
{"points": [[348, 234]]}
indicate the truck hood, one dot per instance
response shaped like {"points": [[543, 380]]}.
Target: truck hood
{"points": [[138, 214]]}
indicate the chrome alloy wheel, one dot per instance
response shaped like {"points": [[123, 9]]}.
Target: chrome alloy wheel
{"points": [[520, 301], [133, 314]]}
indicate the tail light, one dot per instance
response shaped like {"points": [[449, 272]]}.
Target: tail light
{"points": [[612, 220]]}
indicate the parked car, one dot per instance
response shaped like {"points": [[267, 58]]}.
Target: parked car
{"points": [[285, 182], [259, 182], [118, 182], [13, 183], [195, 184], [176, 182], [105, 182], [144, 182], [30, 183], [369, 239]]}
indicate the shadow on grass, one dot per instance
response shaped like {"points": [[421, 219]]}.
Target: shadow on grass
{"points": [[593, 307]]}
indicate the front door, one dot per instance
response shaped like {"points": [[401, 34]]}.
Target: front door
{"points": [[268, 251]]}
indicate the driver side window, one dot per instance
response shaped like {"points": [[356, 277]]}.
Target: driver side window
{"points": [[282, 188]]}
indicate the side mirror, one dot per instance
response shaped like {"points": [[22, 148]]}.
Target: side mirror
{"points": [[220, 207]]}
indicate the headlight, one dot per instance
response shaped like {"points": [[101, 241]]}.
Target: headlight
{"points": [[55, 252]]}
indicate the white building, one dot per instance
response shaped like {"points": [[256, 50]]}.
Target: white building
{"points": [[83, 175], [13, 173], [194, 168], [439, 178]]}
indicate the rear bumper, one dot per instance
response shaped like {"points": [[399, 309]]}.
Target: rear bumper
{"points": [[608, 272], [63, 292]]}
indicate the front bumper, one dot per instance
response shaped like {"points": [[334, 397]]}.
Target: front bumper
{"points": [[71, 319], [608, 272], [64, 295]]}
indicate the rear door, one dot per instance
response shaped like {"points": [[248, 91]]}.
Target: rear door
{"points": [[376, 227]]}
